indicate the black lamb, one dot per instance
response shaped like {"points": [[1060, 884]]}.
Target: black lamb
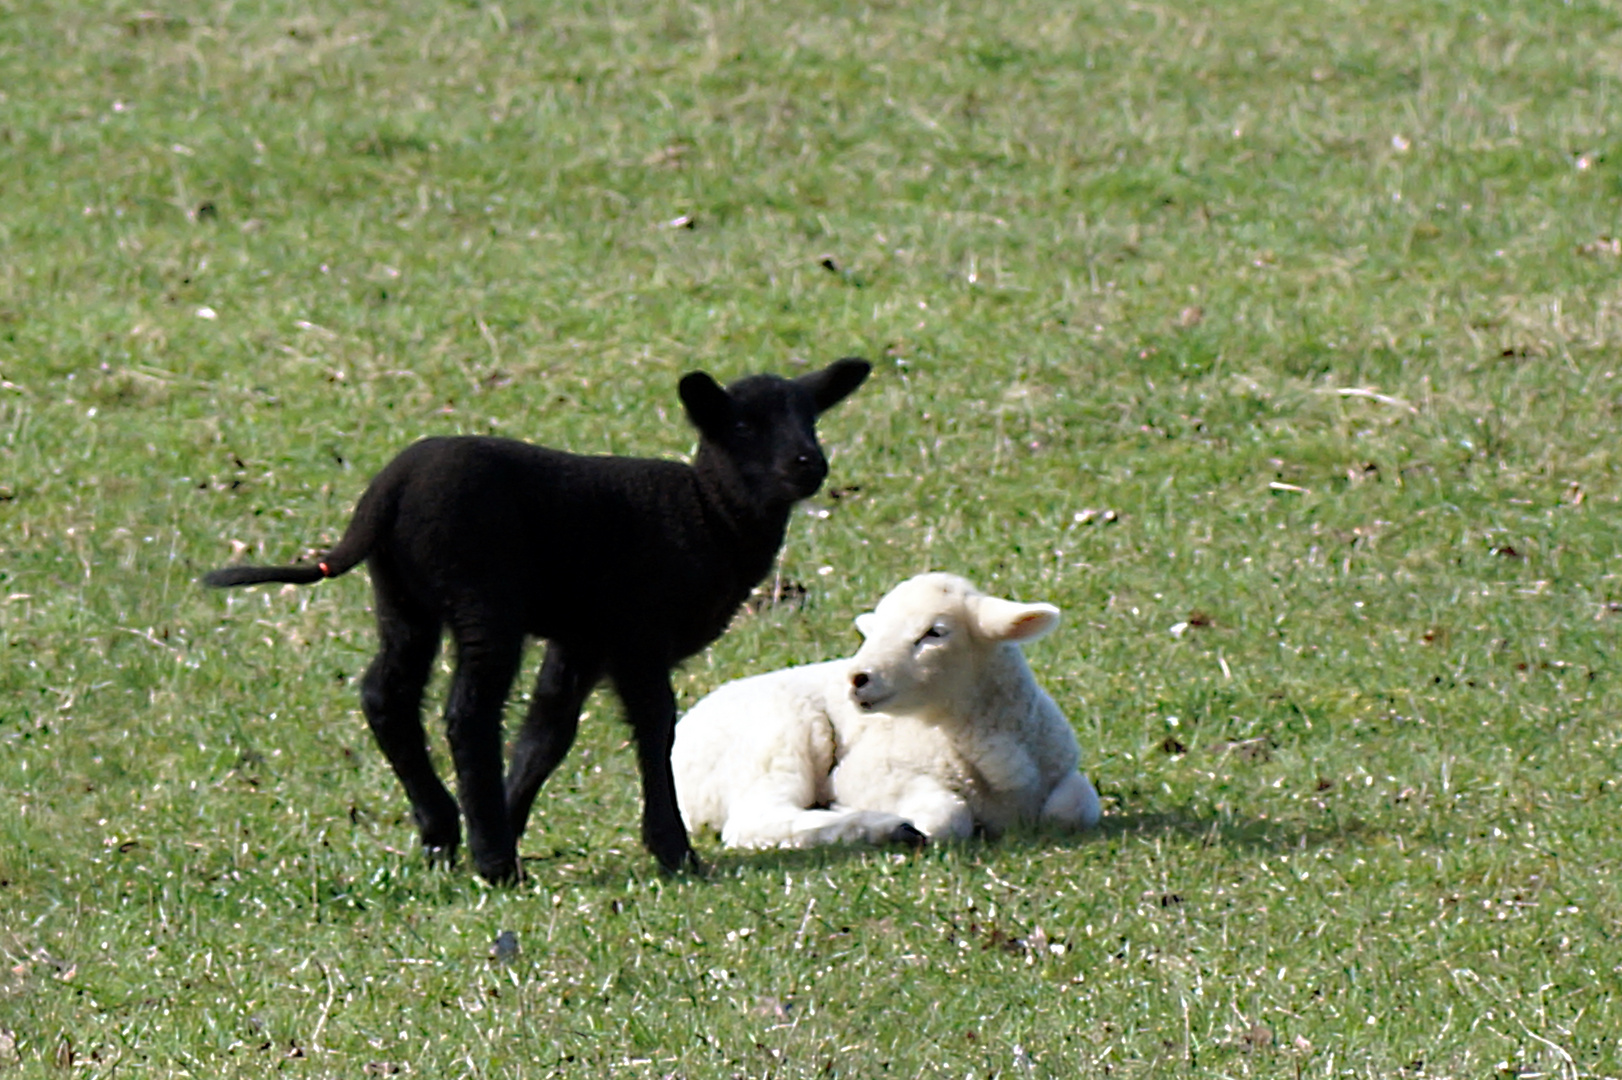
{"points": [[625, 566]]}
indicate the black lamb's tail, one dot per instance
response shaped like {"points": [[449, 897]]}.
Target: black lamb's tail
{"points": [[254, 575], [375, 504]]}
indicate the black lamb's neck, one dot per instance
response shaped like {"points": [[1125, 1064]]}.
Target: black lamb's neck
{"points": [[754, 528]]}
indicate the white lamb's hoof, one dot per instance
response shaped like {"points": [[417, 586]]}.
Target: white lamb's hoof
{"points": [[905, 833]]}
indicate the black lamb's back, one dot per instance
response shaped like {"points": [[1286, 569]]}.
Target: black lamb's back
{"points": [[571, 546]]}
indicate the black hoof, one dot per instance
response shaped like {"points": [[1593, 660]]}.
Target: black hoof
{"points": [[905, 833], [440, 855], [670, 846], [440, 836], [501, 871], [674, 862]]}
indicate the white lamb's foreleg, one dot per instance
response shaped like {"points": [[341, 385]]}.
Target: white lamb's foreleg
{"points": [[767, 819], [1073, 804], [845, 824], [937, 812]]}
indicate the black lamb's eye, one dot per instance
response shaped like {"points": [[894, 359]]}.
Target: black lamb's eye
{"points": [[743, 429]]}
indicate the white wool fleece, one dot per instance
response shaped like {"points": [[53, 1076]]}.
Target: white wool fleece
{"points": [[935, 726]]}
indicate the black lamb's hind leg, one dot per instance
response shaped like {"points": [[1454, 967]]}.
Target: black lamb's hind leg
{"points": [[391, 698], [486, 661], [650, 706], [567, 677]]}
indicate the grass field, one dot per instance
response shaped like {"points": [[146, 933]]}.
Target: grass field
{"points": [[1275, 342]]}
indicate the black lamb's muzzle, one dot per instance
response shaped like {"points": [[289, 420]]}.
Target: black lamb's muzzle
{"points": [[805, 474]]}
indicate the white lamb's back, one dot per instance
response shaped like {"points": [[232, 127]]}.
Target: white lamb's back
{"points": [[771, 727]]}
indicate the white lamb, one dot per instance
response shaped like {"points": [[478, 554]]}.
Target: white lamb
{"points": [[934, 727]]}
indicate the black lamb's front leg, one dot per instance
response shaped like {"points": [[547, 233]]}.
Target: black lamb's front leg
{"points": [[650, 706]]}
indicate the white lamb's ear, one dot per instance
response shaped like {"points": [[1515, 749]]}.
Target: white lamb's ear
{"points": [[1006, 620], [864, 624]]}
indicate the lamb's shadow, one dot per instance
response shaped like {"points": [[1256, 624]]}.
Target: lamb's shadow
{"points": [[1204, 829], [1185, 825], [719, 863]]}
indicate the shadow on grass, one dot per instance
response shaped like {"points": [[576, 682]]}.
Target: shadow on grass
{"points": [[1220, 830], [616, 866], [1183, 825]]}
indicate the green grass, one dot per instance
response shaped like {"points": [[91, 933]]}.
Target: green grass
{"points": [[1320, 299]]}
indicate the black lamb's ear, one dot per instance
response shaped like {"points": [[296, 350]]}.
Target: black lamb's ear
{"points": [[707, 404], [834, 383]]}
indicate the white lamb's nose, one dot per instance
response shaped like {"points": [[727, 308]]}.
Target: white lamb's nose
{"points": [[860, 679]]}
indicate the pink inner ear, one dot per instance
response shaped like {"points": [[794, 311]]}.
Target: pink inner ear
{"points": [[1027, 624]]}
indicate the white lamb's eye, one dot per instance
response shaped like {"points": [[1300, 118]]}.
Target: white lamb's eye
{"points": [[938, 632]]}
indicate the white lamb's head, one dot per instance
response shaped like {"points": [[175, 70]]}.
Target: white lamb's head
{"points": [[929, 641]]}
